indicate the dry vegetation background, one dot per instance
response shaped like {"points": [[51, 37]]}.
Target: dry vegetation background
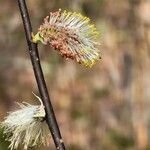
{"points": [[103, 108]]}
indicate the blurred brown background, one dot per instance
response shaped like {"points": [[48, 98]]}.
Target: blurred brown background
{"points": [[103, 108]]}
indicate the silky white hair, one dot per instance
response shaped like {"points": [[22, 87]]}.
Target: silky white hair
{"points": [[26, 126]]}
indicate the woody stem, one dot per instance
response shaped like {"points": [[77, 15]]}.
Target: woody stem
{"points": [[34, 56]]}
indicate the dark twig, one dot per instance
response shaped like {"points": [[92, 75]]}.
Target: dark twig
{"points": [[33, 50]]}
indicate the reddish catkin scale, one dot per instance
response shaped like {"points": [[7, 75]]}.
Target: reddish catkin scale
{"points": [[72, 35]]}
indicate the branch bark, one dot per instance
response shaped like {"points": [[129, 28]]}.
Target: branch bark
{"points": [[34, 56]]}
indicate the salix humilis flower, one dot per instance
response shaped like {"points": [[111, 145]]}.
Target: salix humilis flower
{"points": [[72, 35], [26, 126]]}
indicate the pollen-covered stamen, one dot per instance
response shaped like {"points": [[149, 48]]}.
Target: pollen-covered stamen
{"points": [[72, 35]]}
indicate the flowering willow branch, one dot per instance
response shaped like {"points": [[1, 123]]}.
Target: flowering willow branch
{"points": [[33, 51]]}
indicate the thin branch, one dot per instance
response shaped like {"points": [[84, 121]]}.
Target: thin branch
{"points": [[33, 51]]}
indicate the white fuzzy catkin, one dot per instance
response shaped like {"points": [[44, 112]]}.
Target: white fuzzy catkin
{"points": [[26, 126]]}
